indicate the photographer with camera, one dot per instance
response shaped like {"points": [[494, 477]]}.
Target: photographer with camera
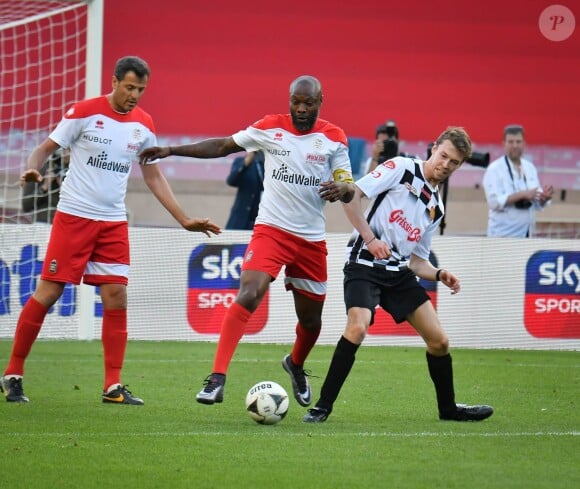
{"points": [[385, 147], [513, 190]]}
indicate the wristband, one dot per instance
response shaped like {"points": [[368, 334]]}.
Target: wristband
{"points": [[371, 240], [169, 148], [438, 275]]}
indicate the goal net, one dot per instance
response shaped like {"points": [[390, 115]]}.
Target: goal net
{"points": [[44, 68], [43, 65]]}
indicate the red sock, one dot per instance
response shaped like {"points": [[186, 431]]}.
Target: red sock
{"points": [[114, 338], [233, 327], [27, 329], [305, 341]]}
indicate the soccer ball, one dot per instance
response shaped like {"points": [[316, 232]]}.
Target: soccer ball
{"points": [[267, 402]]}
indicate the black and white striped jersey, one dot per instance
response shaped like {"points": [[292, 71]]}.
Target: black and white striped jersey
{"points": [[404, 212]]}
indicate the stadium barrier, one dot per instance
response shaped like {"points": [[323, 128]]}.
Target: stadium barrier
{"points": [[516, 294]]}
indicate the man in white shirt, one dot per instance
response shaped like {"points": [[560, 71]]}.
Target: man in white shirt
{"points": [[388, 250], [89, 238], [306, 165], [513, 190]]}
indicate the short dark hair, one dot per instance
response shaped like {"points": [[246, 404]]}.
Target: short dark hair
{"points": [[131, 63], [513, 130]]}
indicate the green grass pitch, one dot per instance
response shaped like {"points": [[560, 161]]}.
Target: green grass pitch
{"points": [[384, 431]]}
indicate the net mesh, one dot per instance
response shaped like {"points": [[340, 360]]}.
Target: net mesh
{"points": [[42, 60], [559, 228], [42, 72]]}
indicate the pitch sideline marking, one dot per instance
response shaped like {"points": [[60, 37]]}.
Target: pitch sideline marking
{"points": [[370, 434]]}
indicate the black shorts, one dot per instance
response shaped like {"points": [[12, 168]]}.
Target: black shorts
{"points": [[398, 293]]}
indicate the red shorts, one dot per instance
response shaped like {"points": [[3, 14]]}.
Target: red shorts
{"points": [[95, 251], [271, 248]]}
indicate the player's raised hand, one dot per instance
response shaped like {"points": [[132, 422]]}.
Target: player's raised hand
{"points": [[30, 175], [153, 153], [202, 225]]}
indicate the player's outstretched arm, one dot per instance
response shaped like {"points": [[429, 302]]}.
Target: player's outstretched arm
{"points": [[208, 148], [202, 225], [158, 184], [154, 153]]}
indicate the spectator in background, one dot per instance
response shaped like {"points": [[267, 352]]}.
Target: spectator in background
{"points": [[247, 174], [40, 198], [513, 190], [385, 147]]}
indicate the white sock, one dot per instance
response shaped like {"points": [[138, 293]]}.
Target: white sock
{"points": [[112, 387]]}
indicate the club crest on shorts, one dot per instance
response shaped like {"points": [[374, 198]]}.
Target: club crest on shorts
{"points": [[249, 256], [52, 268]]}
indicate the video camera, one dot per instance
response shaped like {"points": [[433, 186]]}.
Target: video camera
{"points": [[476, 159], [391, 144], [523, 204]]}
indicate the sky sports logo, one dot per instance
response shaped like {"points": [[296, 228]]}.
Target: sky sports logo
{"points": [[552, 297], [213, 281]]}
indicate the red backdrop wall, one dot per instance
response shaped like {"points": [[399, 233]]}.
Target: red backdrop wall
{"points": [[218, 66]]}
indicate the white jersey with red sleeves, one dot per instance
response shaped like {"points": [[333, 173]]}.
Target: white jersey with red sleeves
{"points": [[295, 165], [404, 212], [103, 146]]}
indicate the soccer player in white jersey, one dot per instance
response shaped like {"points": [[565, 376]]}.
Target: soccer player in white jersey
{"points": [[387, 252], [89, 238], [306, 164]]}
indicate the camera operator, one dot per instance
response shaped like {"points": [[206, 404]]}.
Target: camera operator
{"points": [[386, 146], [513, 190]]}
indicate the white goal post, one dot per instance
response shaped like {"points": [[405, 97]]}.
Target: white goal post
{"points": [[50, 57]]}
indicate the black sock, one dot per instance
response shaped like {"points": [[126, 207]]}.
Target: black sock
{"points": [[441, 372], [340, 365]]}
